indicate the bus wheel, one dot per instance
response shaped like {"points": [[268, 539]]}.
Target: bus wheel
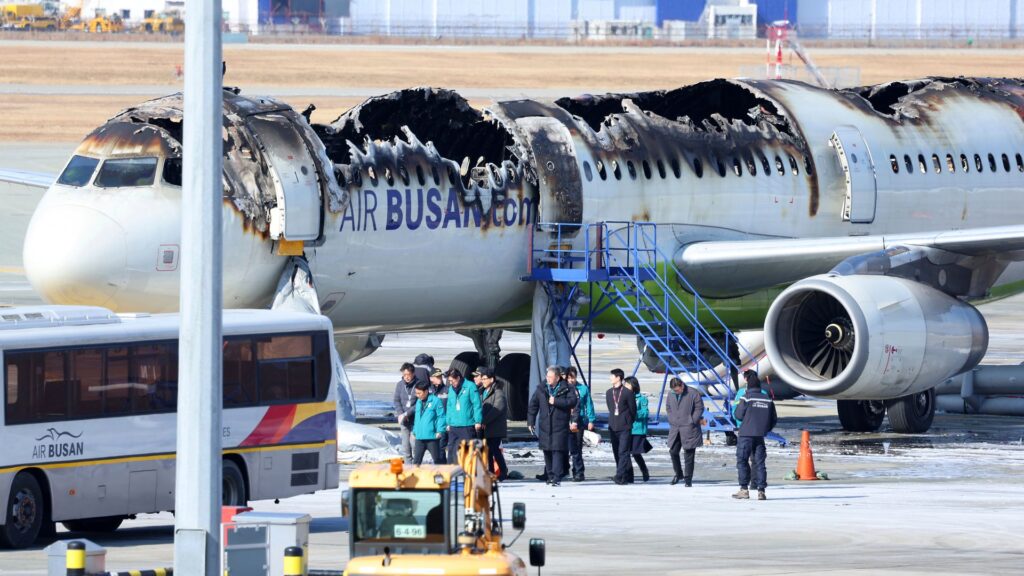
{"points": [[26, 509], [104, 524], [232, 485]]}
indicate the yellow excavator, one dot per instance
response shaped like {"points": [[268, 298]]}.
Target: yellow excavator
{"points": [[440, 519]]}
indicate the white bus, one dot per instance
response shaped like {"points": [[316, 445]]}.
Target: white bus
{"points": [[87, 434]]}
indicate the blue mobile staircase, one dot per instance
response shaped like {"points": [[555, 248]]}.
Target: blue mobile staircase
{"points": [[619, 265]]}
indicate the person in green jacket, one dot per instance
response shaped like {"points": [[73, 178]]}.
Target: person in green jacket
{"points": [[639, 433], [428, 425], [464, 412]]}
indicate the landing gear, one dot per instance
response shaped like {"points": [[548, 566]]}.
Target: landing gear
{"points": [[466, 362], [861, 415], [513, 372], [912, 414]]}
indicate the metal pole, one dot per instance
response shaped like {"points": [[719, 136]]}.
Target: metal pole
{"points": [[198, 475]]}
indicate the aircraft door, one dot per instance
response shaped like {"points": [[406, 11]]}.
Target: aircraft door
{"points": [[298, 214], [558, 173], [859, 169]]}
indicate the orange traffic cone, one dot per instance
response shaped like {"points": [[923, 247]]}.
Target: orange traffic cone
{"points": [[805, 464]]}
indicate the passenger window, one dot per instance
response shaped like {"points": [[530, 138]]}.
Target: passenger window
{"points": [[936, 164], [78, 171], [779, 166], [126, 172], [977, 163], [36, 387], [673, 163], [751, 165], [646, 168], [616, 171], [1020, 163], [632, 169], [765, 165], [1006, 163], [661, 168], [950, 164], [991, 163], [698, 168], [894, 164], [721, 166], [965, 165], [587, 173], [419, 175], [172, 171], [921, 164], [808, 165], [908, 163], [601, 171], [736, 167], [793, 168]]}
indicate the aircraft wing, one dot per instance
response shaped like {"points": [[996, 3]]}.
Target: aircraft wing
{"points": [[721, 269], [34, 179]]}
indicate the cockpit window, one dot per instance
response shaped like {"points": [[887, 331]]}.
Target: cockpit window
{"points": [[172, 171], [79, 171], [124, 172]]}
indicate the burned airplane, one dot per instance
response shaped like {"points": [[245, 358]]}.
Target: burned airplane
{"points": [[855, 227]]}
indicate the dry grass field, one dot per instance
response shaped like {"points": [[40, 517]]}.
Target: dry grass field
{"points": [[68, 117]]}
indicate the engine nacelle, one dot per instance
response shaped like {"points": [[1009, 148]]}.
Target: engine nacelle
{"points": [[870, 337]]}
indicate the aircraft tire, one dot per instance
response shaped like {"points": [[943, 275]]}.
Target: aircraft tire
{"points": [[466, 362], [26, 511], [912, 414], [103, 524], [513, 372], [859, 415]]}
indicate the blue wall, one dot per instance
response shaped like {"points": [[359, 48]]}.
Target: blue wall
{"points": [[769, 11], [679, 10]]}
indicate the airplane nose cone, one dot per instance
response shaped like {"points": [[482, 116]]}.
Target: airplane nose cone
{"points": [[75, 255]]}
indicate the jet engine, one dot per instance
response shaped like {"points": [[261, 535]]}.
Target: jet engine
{"points": [[870, 337]]}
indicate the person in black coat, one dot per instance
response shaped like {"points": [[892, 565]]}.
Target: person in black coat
{"points": [[685, 414], [621, 415], [549, 410], [756, 411], [495, 420]]}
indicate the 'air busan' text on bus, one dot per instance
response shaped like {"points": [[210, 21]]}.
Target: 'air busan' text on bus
{"points": [[431, 209]]}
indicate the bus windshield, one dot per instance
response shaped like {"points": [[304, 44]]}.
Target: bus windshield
{"points": [[127, 172], [413, 515]]}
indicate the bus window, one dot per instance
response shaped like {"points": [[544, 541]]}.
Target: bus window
{"points": [[152, 388], [285, 368], [36, 388], [87, 382], [117, 393], [239, 374]]}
